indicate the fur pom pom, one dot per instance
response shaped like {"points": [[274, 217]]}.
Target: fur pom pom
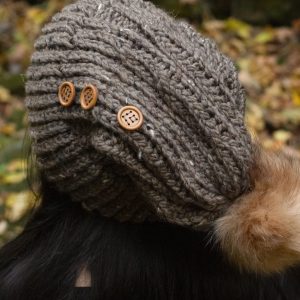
{"points": [[261, 231]]}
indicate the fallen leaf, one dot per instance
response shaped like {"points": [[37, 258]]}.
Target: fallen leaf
{"points": [[8, 129], [254, 117], [37, 15], [16, 165], [292, 115], [13, 178], [16, 205], [4, 95], [264, 37], [13, 173], [282, 136], [240, 28], [296, 98]]}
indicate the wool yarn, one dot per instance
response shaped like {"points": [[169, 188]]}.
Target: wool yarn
{"points": [[188, 161]]}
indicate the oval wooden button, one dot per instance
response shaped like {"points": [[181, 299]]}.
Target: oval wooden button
{"points": [[66, 93], [130, 117], [88, 96]]}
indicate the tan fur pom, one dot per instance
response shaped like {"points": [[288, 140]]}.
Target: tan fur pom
{"points": [[261, 231]]}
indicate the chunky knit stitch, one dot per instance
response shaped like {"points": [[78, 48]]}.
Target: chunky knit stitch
{"points": [[191, 157]]}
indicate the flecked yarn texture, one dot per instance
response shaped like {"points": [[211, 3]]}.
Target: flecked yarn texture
{"points": [[190, 159]]}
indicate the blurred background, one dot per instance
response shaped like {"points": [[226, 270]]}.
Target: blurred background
{"points": [[262, 37]]}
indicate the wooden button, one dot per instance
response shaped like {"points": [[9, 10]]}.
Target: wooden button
{"points": [[130, 117], [66, 93], [88, 96]]}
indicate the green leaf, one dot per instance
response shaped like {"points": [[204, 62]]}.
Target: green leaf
{"points": [[240, 28]]}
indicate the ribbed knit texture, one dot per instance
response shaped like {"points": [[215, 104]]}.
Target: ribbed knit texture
{"points": [[188, 161]]}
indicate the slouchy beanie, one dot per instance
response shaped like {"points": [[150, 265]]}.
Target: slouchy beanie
{"points": [[141, 118], [190, 158]]}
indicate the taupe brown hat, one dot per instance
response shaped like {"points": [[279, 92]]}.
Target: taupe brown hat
{"points": [[137, 115]]}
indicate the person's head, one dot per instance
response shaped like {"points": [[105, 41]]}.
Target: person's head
{"points": [[149, 178]]}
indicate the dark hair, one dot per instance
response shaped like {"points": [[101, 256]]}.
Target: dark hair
{"points": [[126, 261]]}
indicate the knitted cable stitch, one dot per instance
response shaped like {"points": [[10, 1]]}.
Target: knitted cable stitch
{"points": [[191, 157]]}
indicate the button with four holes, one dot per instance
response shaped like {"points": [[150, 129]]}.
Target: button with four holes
{"points": [[88, 96], [66, 93], [130, 117]]}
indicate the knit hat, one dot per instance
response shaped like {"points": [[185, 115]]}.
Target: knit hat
{"points": [[188, 159], [141, 118]]}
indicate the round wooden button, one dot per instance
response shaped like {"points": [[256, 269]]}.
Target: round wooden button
{"points": [[66, 93], [88, 96], [130, 117]]}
